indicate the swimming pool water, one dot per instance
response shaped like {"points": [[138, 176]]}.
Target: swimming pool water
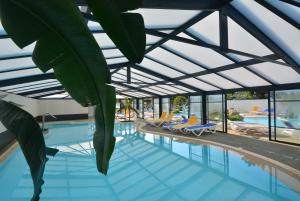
{"points": [[264, 121], [143, 167]]}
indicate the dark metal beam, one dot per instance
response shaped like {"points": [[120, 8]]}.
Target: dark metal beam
{"points": [[214, 47], [279, 13], [261, 36], [235, 61], [221, 68], [201, 66], [167, 79], [50, 94], [292, 2], [223, 28], [41, 90], [128, 71], [183, 27], [180, 71], [178, 4], [27, 79]]}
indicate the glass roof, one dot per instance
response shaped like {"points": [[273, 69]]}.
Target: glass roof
{"points": [[193, 57]]}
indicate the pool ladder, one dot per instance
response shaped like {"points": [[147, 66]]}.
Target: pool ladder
{"points": [[45, 131]]}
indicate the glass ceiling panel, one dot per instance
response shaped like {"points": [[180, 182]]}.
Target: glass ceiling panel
{"points": [[8, 48], [245, 77], [288, 9], [44, 93], [145, 74], [154, 91], [152, 39], [151, 65], [116, 60], [121, 77], [183, 88], [34, 88], [240, 39], [278, 30], [56, 96], [207, 29], [199, 84], [238, 57], [158, 89], [112, 53], [277, 73], [103, 40], [163, 18], [204, 56], [174, 61], [2, 31], [94, 26], [21, 73], [12, 64], [219, 81], [173, 89], [117, 79], [28, 84]]}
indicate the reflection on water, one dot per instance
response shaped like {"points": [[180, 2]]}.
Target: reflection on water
{"points": [[143, 167]]}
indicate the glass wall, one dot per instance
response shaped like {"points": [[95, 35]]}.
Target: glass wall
{"points": [[166, 105], [156, 107], [287, 116], [141, 108], [215, 110], [196, 106], [180, 106], [148, 108]]}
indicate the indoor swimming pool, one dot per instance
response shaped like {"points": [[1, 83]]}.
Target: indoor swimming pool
{"points": [[145, 167]]}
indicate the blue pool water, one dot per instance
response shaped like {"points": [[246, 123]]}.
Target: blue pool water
{"points": [[143, 167], [265, 120]]}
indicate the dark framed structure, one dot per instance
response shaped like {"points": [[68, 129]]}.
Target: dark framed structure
{"points": [[211, 48]]}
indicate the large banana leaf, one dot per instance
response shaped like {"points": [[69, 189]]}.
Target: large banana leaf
{"points": [[65, 44], [30, 137], [127, 30]]}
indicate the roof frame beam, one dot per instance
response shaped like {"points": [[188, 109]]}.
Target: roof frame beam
{"points": [[180, 71], [201, 66], [178, 4], [234, 14], [50, 94], [183, 27], [213, 47], [279, 13], [222, 68], [167, 79], [235, 61]]}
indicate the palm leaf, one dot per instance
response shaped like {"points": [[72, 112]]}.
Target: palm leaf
{"points": [[30, 137], [75, 56], [127, 30]]}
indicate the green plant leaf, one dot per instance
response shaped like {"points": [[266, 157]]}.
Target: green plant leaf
{"points": [[65, 44], [30, 137], [127, 30]]}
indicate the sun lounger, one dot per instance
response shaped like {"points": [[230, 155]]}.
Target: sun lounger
{"points": [[166, 120], [199, 129], [192, 121], [173, 123], [244, 127], [157, 121]]}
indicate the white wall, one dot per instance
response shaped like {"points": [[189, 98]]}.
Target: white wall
{"points": [[60, 107], [39, 107], [28, 104]]}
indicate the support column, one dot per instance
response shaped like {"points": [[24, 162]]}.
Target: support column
{"points": [[160, 105], [225, 112], [204, 109]]}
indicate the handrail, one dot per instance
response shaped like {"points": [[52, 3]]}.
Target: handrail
{"points": [[44, 119]]}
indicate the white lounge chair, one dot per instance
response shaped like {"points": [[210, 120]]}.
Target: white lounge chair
{"points": [[199, 129]]}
